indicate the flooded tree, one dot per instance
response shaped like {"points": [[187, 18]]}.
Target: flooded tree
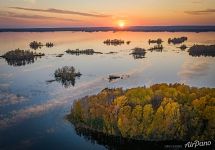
{"points": [[128, 42], [115, 42], [20, 57], [158, 48], [38, 45], [49, 44], [158, 41], [66, 75], [35, 45], [138, 53], [183, 47]]}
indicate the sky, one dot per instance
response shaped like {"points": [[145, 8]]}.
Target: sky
{"points": [[82, 13]]}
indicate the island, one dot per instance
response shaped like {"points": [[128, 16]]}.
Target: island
{"points": [[161, 112], [66, 75], [202, 50], [138, 53], [158, 41], [177, 40], [82, 52], [158, 48], [20, 57], [116, 42], [38, 45]]}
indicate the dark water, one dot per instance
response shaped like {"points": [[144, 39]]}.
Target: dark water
{"points": [[32, 111]]}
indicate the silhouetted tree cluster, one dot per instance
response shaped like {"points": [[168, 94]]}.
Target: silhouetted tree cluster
{"points": [[158, 41], [116, 42], [177, 40], [158, 47], [49, 44], [66, 75], [202, 50], [160, 112], [21, 57], [138, 53], [35, 45], [183, 47], [81, 52], [38, 45]]}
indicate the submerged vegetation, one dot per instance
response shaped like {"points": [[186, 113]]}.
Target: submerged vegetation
{"points": [[82, 52], [177, 40], [160, 112], [116, 42], [66, 75], [20, 57], [38, 45], [158, 41], [202, 50], [138, 53]]}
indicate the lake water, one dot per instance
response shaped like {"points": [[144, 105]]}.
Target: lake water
{"points": [[32, 111]]}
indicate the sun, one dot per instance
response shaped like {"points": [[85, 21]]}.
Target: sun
{"points": [[121, 24]]}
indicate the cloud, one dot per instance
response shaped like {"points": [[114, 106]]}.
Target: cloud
{"points": [[10, 98], [64, 98], [192, 69], [59, 11], [200, 12], [24, 16], [30, 1]]}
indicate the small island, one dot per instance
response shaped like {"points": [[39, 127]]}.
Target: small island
{"points": [[158, 41], [38, 45], [20, 57], [115, 77], [66, 75], [82, 52], [177, 40], [138, 53], [160, 112], [116, 42], [183, 47], [158, 48], [202, 50]]}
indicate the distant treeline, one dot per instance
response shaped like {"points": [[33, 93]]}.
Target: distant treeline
{"points": [[131, 28], [158, 113]]}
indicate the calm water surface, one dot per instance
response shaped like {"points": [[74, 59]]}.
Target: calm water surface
{"points": [[32, 111]]}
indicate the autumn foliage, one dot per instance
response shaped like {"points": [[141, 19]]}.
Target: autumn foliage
{"points": [[160, 112]]}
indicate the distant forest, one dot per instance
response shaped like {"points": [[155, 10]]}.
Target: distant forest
{"points": [[130, 28], [157, 113]]}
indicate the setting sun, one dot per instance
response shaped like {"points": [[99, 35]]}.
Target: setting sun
{"points": [[121, 24]]}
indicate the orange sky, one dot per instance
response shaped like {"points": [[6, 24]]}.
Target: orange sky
{"points": [[71, 13]]}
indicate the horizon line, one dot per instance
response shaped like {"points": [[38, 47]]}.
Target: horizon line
{"points": [[167, 28]]}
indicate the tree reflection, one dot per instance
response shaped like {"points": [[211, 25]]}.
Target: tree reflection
{"points": [[66, 75], [117, 142], [138, 53]]}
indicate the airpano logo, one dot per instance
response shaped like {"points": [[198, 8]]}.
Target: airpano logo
{"points": [[197, 143]]}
